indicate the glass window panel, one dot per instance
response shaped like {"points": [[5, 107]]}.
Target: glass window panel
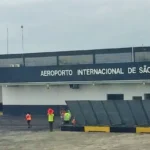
{"points": [[40, 61], [75, 59], [142, 56], [113, 58], [11, 61]]}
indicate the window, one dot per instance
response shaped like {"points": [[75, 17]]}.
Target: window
{"points": [[41, 61], [137, 98], [142, 56], [113, 58], [147, 96], [11, 62], [75, 59], [115, 96]]}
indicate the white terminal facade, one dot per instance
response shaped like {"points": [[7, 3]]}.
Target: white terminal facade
{"points": [[109, 74]]}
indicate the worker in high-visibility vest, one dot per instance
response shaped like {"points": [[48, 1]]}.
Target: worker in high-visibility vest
{"points": [[28, 119], [67, 117], [51, 120]]}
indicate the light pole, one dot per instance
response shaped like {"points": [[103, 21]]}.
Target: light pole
{"points": [[22, 46], [7, 41], [22, 39]]}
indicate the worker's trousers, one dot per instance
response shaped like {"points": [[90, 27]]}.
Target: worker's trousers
{"points": [[29, 123], [66, 122], [51, 126]]}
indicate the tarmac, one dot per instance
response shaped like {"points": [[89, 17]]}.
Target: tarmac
{"points": [[16, 136], [44, 140], [18, 123]]}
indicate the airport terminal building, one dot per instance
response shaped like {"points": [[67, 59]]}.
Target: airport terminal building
{"points": [[35, 81]]}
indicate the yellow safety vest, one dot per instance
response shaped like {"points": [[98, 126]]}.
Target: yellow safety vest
{"points": [[67, 117], [51, 117]]}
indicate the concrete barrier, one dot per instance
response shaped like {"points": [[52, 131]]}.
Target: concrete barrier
{"points": [[142, 129], [96, 129], [106, 129]]}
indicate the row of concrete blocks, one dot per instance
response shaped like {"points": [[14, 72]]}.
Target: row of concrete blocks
{"points": [[106, 129]]}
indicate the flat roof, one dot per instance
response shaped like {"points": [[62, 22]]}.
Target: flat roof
{"points": [[77, 52]]}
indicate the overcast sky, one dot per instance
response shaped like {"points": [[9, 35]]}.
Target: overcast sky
{"points": [[56, 25]]}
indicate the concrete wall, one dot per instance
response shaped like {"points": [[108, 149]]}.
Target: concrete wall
{"points": [[56, 95]]}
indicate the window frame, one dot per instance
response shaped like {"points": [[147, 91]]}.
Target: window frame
{"points": [[40, 65], [115, 95], [70, 62], [137, 98]]}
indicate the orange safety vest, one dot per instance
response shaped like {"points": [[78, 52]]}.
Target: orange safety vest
{"points": [[28, 117]]}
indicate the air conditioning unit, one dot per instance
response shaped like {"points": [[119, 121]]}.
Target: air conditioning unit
{"points": [[12, 65], [17, 65]]}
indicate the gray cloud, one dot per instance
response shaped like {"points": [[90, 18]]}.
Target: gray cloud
{"points": [[51, 25]]}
